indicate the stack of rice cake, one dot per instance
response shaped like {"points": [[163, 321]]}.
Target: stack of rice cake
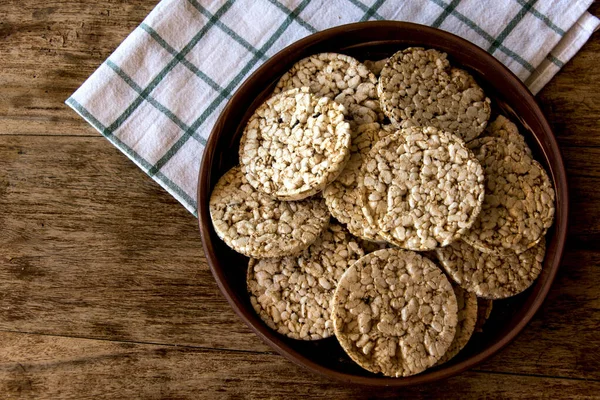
{"points": [[435, 211]]}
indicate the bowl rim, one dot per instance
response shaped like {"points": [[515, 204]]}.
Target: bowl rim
{"points": [[270, 337]]}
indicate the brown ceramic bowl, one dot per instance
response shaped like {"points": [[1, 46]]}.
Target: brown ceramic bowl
{"points": [[375, 40]]}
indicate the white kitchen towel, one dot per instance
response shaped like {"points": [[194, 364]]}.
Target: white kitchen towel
{"points": [[159, 94]]}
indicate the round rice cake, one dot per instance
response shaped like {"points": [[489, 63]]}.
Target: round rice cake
{"points": [[484, 310], [490, 276], [341, 196], [259, 226], [422, 188], [503, 128], [418, 87], [294, 145], [467, 318], [394, 312], [292, 295], [519, 202], [340, 78]]}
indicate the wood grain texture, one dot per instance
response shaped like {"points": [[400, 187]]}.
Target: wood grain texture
{"points": [[47, 49], [571, 101], [90, 246], [104, 289], [87, 369]]}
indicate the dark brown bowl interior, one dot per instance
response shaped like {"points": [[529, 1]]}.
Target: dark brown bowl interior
{"points": [[375, 40]]}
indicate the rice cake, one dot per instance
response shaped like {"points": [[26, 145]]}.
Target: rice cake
{"points": [[394, 312], [294, 145], [292, 295], [519, 202], [259, 226], [467, 318], [490, 276], [342, 196], [503, 128], [340, 78], [418, 87], [422, 187]]}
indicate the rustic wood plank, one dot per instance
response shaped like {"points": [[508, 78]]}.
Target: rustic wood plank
{"points": [[91, 247], [571, 100], [583, 178], [48, 367], [48, 49]]}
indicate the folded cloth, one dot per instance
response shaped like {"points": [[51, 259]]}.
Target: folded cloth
{"points": [[159, 94]]}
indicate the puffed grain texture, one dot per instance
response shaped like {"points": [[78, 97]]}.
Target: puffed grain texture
{"points": [[342, 195], [519, 199], [259, 226], [394, 312], [467, 318], [490, 276], [422, 187], [294, 145], [503, 128], [340, 78], [292, 295], [418, 87]]}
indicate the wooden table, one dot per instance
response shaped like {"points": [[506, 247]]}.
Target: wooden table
{"points": [[104, 288]]}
